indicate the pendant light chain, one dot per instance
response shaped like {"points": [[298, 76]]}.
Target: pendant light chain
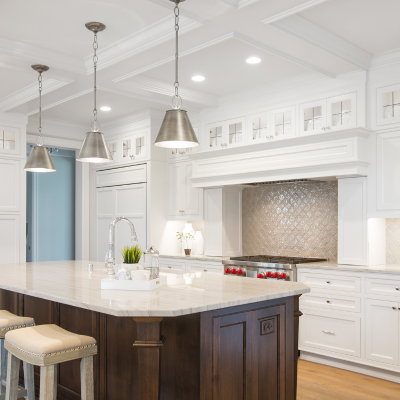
{"points": [[95, 59], [177, 98], [39, 140]]}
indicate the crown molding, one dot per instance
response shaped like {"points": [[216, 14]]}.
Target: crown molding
{"points": [[57, 129], [12, 117], [143, 40], [172, 58], [131, 118], [386, 58], [316, 36], [292, 11], [238, 4], [29, 93], [52, 58], [165, 88]]}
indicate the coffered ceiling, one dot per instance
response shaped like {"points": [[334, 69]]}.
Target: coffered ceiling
{"points": [[293, 38]]}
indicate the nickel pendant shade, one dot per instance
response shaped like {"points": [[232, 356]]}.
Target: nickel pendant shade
{"points": [[95, 149], [176, 131], [39, 160]]}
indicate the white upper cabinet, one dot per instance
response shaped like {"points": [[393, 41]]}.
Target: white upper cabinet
{"points": [[388, 105], [283, 123], [224, 134], [9, 141], [259, 129], [180, 154], [325, 115], [128, 148]]}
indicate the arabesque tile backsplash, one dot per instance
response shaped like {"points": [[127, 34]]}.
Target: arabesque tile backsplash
{"points": [[291, 219]]}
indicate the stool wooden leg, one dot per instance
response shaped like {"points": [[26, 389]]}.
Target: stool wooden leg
{"points": [[12, 377], [29, 381], [47, 385], [55, 382], [3, 366], [87, 385]]}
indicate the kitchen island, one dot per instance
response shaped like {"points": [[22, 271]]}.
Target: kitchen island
{"points": [[204, 336]]}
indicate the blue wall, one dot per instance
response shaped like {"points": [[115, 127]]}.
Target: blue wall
{"points": [[51, 210]]}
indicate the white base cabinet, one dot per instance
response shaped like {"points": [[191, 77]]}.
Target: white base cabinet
{"points": [[355, 326], [181, 266]]}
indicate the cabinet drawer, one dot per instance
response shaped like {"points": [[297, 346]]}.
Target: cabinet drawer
{"points": [[332, 282], [331, 302], [336, 333], [174, 267], [388, 287], [204, 267], [121, 176]]}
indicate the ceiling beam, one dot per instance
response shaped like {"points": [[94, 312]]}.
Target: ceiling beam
{"points": [[287, 57], [292, 11], [238, 4], [307, 31]]}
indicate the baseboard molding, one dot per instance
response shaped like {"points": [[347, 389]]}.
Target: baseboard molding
{"points": [[350, 366]]}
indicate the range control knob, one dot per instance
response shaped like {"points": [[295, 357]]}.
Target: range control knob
{"points": [[233, 271], [240, 272], [268, 274], [227, 270], [275, 275], [261, 275], [283, 275]]}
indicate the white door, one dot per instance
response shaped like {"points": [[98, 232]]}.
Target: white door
{"points": [[382, 331], [193, 196], [175, 189]]}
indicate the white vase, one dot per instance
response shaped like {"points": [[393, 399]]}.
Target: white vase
{"points": [[198, 244], [188, 229]]}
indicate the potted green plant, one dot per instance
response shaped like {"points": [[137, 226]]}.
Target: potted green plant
{"points": [[184, 238], [131, 257]]}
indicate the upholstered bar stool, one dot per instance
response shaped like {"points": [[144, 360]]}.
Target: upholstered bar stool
{"points": [[47, 346], [10, 322]]}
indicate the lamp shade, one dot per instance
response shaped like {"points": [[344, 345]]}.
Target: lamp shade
{"points": [[95, 149], [176, 131], [39, 160]]}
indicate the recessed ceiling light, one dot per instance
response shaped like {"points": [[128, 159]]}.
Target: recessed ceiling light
{"points": [[105, 108], [198, 78], [253, 60]]}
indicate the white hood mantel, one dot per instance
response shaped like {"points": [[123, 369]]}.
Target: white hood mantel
{"points": [[330, 155]]}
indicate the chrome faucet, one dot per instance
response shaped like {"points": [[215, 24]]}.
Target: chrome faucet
{"points": [[110, 257]]}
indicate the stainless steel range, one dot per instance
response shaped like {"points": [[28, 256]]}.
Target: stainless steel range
{"points": [[266, 267]]}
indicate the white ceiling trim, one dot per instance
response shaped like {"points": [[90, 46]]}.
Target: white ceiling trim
{"points": [[34, 54], [29, 93], [64, 100], [292, 11], [386, 58], [313, 34], [238, 4], [140, 41], [283, 55], [170, 6], [166, 88], [172, 58]]}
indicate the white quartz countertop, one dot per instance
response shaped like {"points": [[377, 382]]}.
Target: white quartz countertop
{"points": [[196, 258], [69, 282], [385, 268]]}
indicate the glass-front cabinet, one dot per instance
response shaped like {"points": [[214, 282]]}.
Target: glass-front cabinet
{"points": [[9, 141], [283, 123], [259, 127], [224, 134], [326, 115], [113, 146], [183, 153], [388, 105], [129, 147]]}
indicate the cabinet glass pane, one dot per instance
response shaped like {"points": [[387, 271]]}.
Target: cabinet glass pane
{"points": [[7, 140], [341, 113], [139, 149], [126, 148], [312, 118], [260, 128], [391, 104], [235, 133], [216, 136], [113, 149], [283, 123]]}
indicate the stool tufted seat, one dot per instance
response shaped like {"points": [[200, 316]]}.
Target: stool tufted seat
{"points": [[9, 322], [48, 344]]}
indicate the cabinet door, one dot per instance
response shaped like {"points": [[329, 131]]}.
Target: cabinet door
{"points": [[283, 123], [104, 215], [181, 154], [235, 129], [9, 140], [113, 146], [193, 197], [342, 112], [140, 148], [388, 105], [382, 331], [313, 117], [259, 128], [214, 136], [175, 189], [125, 149]]}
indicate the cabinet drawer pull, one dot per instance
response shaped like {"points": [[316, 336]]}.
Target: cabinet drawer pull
{"points": [[329, 333], [397, 288], [394, 308], [169, 266], [205, 270], [328, 281], [328, 301]]}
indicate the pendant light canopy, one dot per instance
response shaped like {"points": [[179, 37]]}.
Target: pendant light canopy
{"points": [[39, 159], [176, 130], [94, 148]]}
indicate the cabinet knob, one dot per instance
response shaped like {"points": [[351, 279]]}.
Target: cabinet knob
{"points": [[205, 270], [323, 128], [394, 308], [169, 266], [328, 301], [182, 152], [397, 288], [328, 281]]}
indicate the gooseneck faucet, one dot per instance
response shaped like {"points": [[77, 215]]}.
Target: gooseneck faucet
{"points": [[110, 257]]}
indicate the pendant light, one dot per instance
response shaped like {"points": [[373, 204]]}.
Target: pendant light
{"points": [[94, 148], [39, 159], [176, 130]]}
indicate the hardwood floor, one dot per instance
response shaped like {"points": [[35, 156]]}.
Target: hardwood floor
{"points": [[319, 382]]}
